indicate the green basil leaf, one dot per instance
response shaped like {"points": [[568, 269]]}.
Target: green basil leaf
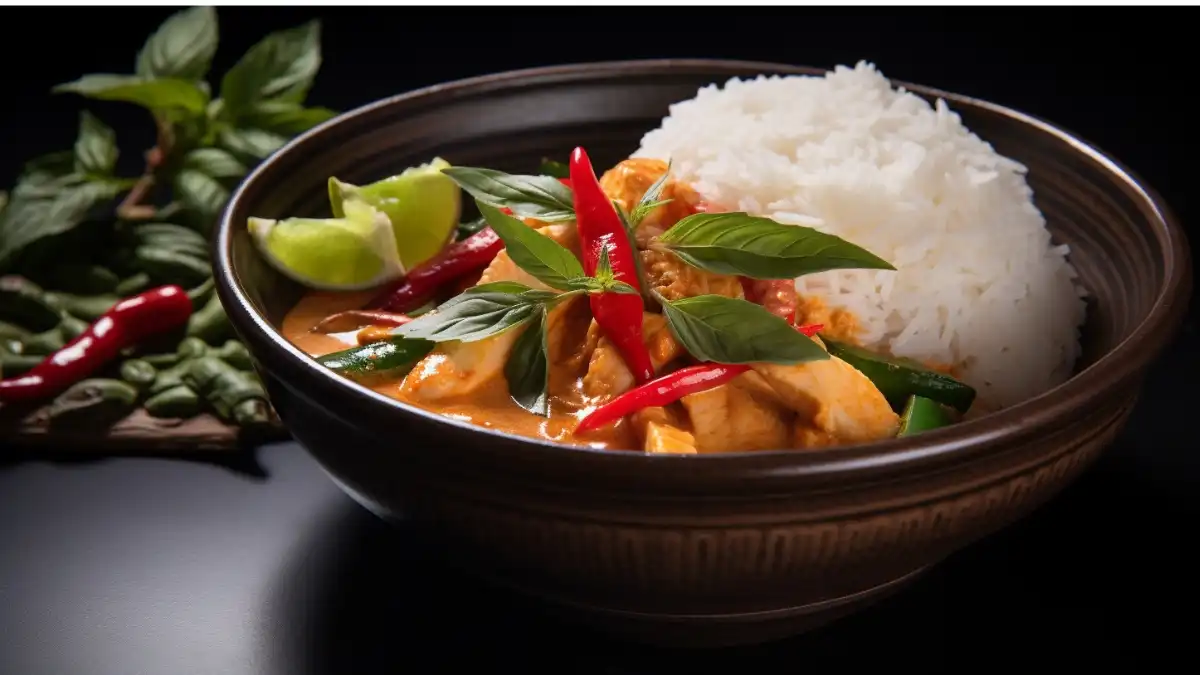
{"points": [[250, 143], [554, 169], [480, 312], [528, 367], [214, 162], [32, 217], [729, 330], [539, 255], [95, 147], [280, 67], [285, 118], [160, 95], [650, 200], [182, 47], [738, 243], [201, 193], [540, 197]]}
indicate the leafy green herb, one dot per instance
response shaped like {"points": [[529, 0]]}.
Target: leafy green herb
{"points": [[285, 118], [528, 367], [95, 147], [760, 248], [29, 218], [554, 169], [254, 144], [281, 68], [603, 280], [214, 162], [478, 313], [728, 330], [532, 251], [650, 200], [540, 197], [164, 95], [183, 46]]}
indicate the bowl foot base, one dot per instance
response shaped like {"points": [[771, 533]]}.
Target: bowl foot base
{"points": [[700, 631]]}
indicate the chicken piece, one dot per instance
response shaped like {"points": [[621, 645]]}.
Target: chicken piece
{"points": [[675, 279], [836, 403], [607, 375], [628, 181], [838, 324], [730, 418], [661, 432], [459, 368]]}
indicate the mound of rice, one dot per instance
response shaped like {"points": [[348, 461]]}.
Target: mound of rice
{"points": [[978, 282]]}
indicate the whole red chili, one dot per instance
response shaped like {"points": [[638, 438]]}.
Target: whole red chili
{"points": [[357, 318], [455, 261], [128, 322], [619, 315], [662, 391]]}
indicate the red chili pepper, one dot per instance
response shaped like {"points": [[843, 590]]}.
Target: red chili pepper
{"points": [[619, 315], [810, 329], [125, 324], [455, 261], [666, 389], [565, 181]]}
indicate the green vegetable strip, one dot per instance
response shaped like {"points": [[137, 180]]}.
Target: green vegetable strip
{"points": [[388, 355]]}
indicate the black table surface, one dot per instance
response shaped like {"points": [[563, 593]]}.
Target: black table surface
{"points": [[144, 566]]}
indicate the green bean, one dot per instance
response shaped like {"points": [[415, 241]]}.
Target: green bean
{"points": [[178, 402], [72, 327], [202, 294], [209, 323], [192, 348], [24, 303], [133, 285], [45, 342], [160, 360], [95, 400], [12, 364], [170, 377], [170, 266], [235, 354], [88, 307], [83, 278], [236, 396], [139, 373], [13, 331]]}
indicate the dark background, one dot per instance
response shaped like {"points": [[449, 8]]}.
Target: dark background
{"points": [[123, 567]]}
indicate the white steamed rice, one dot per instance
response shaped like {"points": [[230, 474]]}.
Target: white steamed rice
{"points": [[978, 282]]}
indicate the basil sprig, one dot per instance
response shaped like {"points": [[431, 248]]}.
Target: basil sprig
{"points": [[528, 367], [731, 330], [540, 197], [752, 246]]}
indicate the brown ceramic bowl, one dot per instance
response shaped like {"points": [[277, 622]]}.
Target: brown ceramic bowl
{"points": [[711, 549]]}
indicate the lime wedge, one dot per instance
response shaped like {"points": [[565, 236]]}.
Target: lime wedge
{"points": [[352, 252], [422, 203]]}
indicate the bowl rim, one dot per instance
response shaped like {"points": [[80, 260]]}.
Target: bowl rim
{"points": [[968, 439]]}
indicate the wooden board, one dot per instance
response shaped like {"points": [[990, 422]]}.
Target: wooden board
{"points": [[139, 433]]}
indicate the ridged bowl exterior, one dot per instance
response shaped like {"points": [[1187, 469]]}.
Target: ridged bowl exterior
{"points": [[707, 550]]}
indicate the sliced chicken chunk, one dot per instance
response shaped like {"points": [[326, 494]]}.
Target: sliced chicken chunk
{"points": [[608, 376], [661, 432], [836, 403], [731, 418], [628, 181], [675, 279]]}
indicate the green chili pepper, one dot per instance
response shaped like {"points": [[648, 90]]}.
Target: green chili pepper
{"points": [[235, 354], [12, 364], [388, 355], [160, 360], [898, 378], [192, 348], [133, 285], [95, 400], [209, 323], [923, 414], [236, 396], [170, 266], [24, 303], [45, 342], [88, 307], [72, 327], [84, 279], [178, 402], [170, 377], [139, 373]]}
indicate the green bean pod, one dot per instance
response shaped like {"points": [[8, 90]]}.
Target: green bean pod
{"points": [[236, 396], [44, 343], [72, 327], [209, 323], [12, 364], [160, 360], [12, 331], [192, 348], [83, 279], [171, 266], [24, 303], [139, 373], [235, 354], [178, 402], [87, 307], [93, 401], [133, 285]]}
